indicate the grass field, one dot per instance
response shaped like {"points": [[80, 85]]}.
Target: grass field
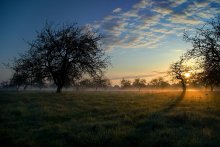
{"points": [[110, 119]]}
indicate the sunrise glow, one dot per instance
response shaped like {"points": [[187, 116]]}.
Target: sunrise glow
{"points": [[187, 75], [110, 73]]}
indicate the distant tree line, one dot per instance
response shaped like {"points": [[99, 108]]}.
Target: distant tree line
{"points": [[103, 83], [141, 83]]}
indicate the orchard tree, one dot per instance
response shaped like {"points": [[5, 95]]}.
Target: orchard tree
{"points": [[4, 84], [18, 80], [139, 83], [179, 72], [210, 75], [86, 83], [125, 83], [206, 49], [63, 55], [159, 82], [23, 74], [101, 82]]}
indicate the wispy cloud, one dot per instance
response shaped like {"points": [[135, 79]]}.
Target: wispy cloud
{"points": [[150, 22], [117, 10], [152, 74]]}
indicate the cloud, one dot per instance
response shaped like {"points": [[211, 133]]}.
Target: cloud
{"points": [[159, 72], [133, 13], [117, 10], [201, 4], [142, 4], [183, 19], [163, 11], [176, 3], [153, 74], [148, 23]]}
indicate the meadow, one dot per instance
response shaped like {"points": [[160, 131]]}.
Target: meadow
{"points": [[169, 118]]}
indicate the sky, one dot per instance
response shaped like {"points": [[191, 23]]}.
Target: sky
{"points": [[143, 36]]}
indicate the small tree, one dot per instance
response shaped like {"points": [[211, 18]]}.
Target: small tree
{"points": [[63, 55], [22, 75], [18, 80], [139, 83], [101, 82], [86, 83], [177, 72], [125, 83], [159, 83], [4, 84]]}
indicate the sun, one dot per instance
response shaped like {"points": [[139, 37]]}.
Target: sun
{"points": [[187, 75]]}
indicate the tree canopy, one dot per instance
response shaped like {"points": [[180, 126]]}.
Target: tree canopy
{"points": [[62, 54], [177, 72], [139, 83], [206, 49], [159, 82], [125, 83]]}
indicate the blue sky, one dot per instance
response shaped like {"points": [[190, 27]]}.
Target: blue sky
{"points": [[143, 36]]}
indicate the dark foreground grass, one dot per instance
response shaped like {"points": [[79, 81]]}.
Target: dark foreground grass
{"points": [[110, 119]]}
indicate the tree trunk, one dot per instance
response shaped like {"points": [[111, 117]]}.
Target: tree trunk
{"points": [[25, 87], [183, 85], [17, 88], [212, 87], [59, 88]]}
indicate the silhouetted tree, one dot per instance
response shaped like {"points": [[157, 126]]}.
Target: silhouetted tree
{"points": [[159, 82], [38, 82], [63, 54], [101, 82], [177, 72], [5, 84], [139, 83], [125, 83], [206, 49], [116, 86], [23, 74], [195, 79], [18, 80], [86, 83], [210, 75]]}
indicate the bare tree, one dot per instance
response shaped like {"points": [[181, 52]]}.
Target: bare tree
{"points": [[206, 49], [63, 54]]}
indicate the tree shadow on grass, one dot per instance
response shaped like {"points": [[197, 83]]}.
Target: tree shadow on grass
{"points": [[154, 130], [171, 105]]}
